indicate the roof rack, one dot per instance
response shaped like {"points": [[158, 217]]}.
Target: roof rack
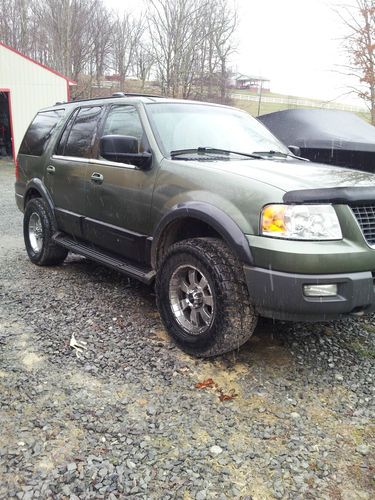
{"points": [[116, 95]]}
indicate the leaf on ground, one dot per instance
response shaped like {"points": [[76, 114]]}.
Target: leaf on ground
{"points": [[205, 384], [227, 397]]}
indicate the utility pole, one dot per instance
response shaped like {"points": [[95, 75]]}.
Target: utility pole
{"points": [[260, 96]]}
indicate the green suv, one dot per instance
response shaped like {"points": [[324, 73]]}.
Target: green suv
{"points": [[206, 202]]}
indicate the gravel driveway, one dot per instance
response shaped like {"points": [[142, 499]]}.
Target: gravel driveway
{"points": [[290, 415]]}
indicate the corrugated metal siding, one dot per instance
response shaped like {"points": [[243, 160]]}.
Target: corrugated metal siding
{"points": [[32, 87]]}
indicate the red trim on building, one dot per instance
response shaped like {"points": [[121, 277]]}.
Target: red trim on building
{"points": [[68, 80], [7, 91]]}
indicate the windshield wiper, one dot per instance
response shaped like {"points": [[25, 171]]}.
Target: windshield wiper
{"points": [[208, 150], [279, 153]]}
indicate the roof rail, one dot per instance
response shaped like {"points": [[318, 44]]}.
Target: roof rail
{"points": [[116, 95], [131, 94]]}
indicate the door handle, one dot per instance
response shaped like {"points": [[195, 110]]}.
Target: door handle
{"points": [[51, 169], [97, 178]]}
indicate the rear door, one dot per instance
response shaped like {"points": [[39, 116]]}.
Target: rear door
{"points": [[67, 170], [33, 152], [119, 194]]}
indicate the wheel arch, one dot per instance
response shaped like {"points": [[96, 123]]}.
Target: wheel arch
{"points": [[211, 221], [36, 189]]}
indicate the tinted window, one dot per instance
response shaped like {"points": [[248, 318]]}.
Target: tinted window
{"points": [[37, 135], [123, 120], [62, 143], [82, 134]]}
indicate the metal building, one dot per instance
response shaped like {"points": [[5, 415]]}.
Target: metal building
{"points": [[25, 87]]}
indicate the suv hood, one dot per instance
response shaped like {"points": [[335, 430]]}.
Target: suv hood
{"points": [[289, 174]]}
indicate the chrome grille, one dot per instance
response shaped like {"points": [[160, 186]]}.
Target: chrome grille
{"points": [[365, 215]]}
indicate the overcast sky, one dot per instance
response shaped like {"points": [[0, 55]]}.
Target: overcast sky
{"points": [[294, 43]]}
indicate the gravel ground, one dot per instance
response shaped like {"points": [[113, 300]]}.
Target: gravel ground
{"points": [[127, 420]]}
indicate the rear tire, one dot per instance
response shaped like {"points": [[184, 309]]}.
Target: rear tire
{"points": [[38, 229], [203, 299]]}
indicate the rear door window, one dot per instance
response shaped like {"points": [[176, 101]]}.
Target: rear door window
{"points": [[62, 143], [39, 132], [81, 136]]}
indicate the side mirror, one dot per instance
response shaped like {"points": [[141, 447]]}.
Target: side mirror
{"points": [[124, 149], [295, 150]]}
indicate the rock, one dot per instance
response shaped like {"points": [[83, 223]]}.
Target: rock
{"points": [[363, 449], [151, 410], [201, 495], [216, 450], [103, 472], [295, 415]]}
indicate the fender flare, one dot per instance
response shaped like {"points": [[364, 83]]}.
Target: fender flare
{"points": [[38, 185], [214, 217]]}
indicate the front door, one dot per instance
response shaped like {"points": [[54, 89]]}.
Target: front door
{"points": [[119, 195]]}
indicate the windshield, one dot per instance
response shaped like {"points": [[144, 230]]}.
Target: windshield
{"points": [[191, 126]]}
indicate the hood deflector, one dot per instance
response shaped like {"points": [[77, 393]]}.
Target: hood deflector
{"points": [[340, 195]]}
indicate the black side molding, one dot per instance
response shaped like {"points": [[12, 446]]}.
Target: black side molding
{"points": [[344, 195], [213, 216]]}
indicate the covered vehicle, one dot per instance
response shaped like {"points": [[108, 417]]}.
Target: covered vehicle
{"points": [[326, 136]]}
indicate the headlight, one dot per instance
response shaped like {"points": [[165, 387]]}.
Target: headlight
{"points": [[300, 222]]}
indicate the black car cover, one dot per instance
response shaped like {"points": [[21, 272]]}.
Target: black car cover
{"points": [[326, 136]]}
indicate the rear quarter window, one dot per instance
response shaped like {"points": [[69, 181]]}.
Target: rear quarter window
{"points": [[39, 132]]}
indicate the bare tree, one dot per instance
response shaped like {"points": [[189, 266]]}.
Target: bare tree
{"points": [[192, 41], [225, 25], [174, 33], [101, 30], [127, 33], [14, 19], [359, 20], [218, 44], [186, 43], [144, 62], [67, 23]]}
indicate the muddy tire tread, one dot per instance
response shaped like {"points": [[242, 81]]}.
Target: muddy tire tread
{"points": [[237, 319]]}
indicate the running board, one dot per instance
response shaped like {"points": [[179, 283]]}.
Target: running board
{"points": [[145, 275]]}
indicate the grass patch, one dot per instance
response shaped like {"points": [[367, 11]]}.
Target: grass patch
{"points": [[362, 350], [369, 328]]}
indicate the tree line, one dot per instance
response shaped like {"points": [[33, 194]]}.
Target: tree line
{"points": [[185, 45], [359, 21]]}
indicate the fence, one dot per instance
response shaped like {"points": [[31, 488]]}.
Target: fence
{"points": [[296, 101]]}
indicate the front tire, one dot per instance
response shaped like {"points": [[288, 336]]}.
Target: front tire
{"points": [[203, 299], [38, 229]]}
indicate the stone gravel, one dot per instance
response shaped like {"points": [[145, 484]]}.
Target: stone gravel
{"points": [[126, 420]]}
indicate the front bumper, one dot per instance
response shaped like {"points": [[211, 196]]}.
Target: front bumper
{"points": [[280, 295]]}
